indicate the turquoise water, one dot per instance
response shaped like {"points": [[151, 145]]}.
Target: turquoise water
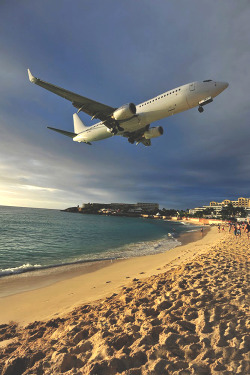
{"points": [[38, 238]]}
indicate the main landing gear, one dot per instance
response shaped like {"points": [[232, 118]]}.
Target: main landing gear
{"points": [[131, 140], [201, 109], [116, 128], [113, 131]]}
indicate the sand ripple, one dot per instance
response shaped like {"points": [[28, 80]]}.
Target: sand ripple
{"points": [[190, 320]]}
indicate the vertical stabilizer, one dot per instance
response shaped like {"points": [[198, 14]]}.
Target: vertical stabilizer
{"points": [[78, 124]]}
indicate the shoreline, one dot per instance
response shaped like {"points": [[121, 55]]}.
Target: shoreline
{"points": [[71, 289], [190, 318], [48, 275], [29, 268]]}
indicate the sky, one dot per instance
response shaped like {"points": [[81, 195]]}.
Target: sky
{"points": [[117, 52]]}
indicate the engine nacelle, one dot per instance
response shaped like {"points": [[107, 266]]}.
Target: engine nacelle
{"points": [[153, 132], [125, 112]]}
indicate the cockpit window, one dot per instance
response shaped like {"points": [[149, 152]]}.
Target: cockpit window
{"points": [[207, 80]]}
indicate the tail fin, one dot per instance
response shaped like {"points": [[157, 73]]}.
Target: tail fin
{"points": [[78, 124]]}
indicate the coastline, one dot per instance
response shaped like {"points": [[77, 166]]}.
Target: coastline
{"points": [[155, 238], [190, 318], [41, 295], [46, 276]]}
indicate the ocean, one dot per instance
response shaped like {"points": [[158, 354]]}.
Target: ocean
{"points": [[33, 238]]}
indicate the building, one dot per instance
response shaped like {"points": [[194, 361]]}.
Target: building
{"points": [[122, 207], [148, 206], [217, 206], [215, 213], [241, 202], [141, 206]]}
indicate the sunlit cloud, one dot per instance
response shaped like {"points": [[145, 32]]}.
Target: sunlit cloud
{"points": [[38, 188]]}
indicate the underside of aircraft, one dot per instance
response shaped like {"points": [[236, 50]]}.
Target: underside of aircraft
{"points": [[132, 121]]}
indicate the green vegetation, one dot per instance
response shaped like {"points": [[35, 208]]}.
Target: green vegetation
{"points": [[230, 211]]}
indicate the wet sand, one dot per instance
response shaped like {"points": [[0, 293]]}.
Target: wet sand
{"points": [[185, 313]]}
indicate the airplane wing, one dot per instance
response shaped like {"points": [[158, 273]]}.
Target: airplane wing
{"points": [[89, 106]]}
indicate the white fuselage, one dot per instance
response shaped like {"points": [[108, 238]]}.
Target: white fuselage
{"points": [[169, 103]]}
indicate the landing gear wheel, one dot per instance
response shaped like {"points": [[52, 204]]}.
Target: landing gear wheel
{"points": [[113, 131], [200, 109], [131, 140]]}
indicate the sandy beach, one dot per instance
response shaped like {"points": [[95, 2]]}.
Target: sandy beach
{"points": [[47, 293], [181, 312]]}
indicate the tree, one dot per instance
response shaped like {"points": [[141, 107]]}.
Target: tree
{"points": [[240, 211], [171, 212], [208, 211], [198, 214], [230, 211]]}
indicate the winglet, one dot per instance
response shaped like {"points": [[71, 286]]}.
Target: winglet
{"points": [[31, 77]]}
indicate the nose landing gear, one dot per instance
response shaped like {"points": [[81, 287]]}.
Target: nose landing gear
{"points": [[203, 102]]}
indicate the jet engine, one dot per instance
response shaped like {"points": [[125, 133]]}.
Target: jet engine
{"points": [[125, 112], [153, 132]]}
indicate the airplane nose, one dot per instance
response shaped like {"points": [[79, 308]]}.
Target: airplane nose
{"points": [[220, 86], [223, 85]]}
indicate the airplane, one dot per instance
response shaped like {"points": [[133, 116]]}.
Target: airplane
{"points": [[130, 120]]}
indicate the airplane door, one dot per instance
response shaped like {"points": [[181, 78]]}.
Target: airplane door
{"points": [[192, 87], [192, 95]]}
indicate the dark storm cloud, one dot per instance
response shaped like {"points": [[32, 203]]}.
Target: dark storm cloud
{"points": [[117, 53]]}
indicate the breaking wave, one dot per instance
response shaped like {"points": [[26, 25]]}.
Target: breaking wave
{"points": [[15, 270], [126, 251]]}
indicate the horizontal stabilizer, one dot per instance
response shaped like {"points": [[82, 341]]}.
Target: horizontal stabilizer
{"points": [[64, 132]]}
